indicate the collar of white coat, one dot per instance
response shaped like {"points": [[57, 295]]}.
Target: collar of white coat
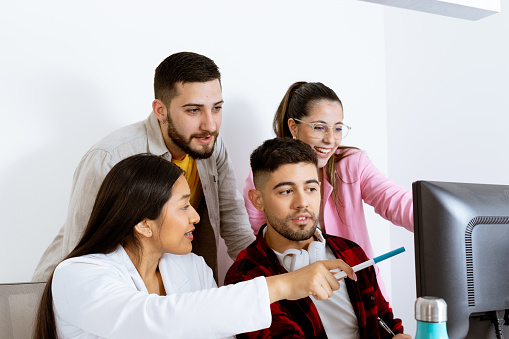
{"points": [[177, 276]]}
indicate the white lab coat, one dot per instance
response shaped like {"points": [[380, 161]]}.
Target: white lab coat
{"points": [[103, 296]]}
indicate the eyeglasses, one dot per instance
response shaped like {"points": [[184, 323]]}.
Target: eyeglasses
{"points": [[340, 131]]}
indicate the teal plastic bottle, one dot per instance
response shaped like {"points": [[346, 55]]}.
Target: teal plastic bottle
{"points": [[431, 316]]}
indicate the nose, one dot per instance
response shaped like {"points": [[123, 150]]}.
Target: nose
{"points": [[329, 136], [195, 217], [300, 200], [208, 122]]}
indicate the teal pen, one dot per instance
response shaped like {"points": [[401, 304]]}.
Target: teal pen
{"points": [[371, 262]]}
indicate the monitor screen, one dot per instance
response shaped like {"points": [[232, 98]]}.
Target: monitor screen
{"points": [[462, 252]]}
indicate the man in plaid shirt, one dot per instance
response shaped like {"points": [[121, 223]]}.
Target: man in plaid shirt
{"points": [[287, 190]]}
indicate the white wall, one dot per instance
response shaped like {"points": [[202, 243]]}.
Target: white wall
{"points": [[447, 109], [72, 72]]}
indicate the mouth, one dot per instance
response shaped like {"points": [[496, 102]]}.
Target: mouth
{"points": [[204, 139], [302, 219], [189, 235], [322, 151]]}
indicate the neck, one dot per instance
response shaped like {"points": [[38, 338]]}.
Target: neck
{"points": [[147, 266], [175, 151], [321, 177], [320, 174]]}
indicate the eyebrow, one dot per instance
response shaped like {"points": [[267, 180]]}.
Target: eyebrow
{"points": [[185, 197], [291, 183], [323, 122], [284, 183], [201, 105]]}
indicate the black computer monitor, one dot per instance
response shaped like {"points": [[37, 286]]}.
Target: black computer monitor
{"points": [[462, 252]]}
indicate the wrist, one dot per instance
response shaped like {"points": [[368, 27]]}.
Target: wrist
{"points": [[276, 288]]}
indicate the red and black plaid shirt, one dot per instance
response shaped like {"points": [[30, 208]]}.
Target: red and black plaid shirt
{"points": [[299, 318]]}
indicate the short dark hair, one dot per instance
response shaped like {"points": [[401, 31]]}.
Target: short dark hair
{"points": [[182, 67], [274, 153]]}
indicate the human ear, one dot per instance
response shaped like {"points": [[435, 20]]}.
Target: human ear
{"points": [[159, 109], [292, 126], [144, 228], [256, 199]]}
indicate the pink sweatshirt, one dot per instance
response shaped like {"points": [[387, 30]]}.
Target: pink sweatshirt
{"points": [[359, 181]]}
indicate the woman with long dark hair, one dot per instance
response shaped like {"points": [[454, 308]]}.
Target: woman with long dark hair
{"points": [[313, 113], [132, 274]]}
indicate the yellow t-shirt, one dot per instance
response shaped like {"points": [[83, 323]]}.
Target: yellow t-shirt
{"points": [[188, 164]]}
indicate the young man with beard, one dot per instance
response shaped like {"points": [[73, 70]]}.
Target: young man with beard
{"points": [[287, 190], [183, 128]]}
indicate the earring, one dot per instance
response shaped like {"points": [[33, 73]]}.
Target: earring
{"points": [[294, 137], [163, 122], [149, 231]]}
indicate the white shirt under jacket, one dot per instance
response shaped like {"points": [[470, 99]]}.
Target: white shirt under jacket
{"points": [[103, 296]]}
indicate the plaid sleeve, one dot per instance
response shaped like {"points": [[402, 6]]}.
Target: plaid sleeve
{"points": [[282, 325], [290, 318], [385, 312], [381, 309]]}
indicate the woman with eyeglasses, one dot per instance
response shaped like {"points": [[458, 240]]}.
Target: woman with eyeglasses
{"points": [[313, 113], [132, 274]]}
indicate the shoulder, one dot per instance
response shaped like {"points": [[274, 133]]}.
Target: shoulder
{"points": [[351, 155], [127, 139], [348, 250], [252, 262], [340, 241], [353, 162], [93, 264]]}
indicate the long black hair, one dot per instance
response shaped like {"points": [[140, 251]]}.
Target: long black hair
{"points": [[135, 189]]}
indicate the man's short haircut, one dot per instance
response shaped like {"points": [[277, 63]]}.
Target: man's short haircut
{"points": [[274, 153], [182, 67]]}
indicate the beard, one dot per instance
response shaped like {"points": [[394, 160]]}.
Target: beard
{"points": [[282, 227], [185, 143]]}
